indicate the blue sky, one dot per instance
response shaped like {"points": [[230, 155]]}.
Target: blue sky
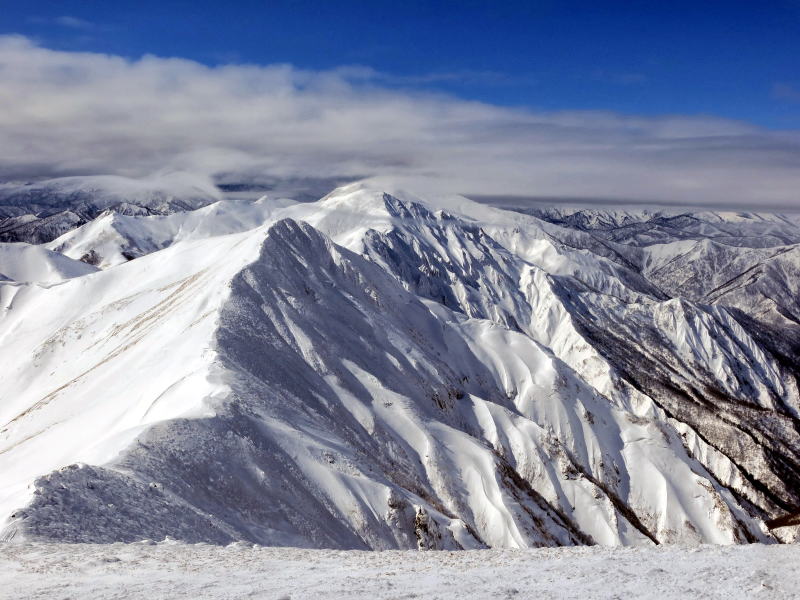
{"points": [[738, 60], [665, 102]]}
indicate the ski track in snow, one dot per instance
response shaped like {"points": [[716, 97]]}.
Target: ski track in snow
{"points": [[176, 570]]}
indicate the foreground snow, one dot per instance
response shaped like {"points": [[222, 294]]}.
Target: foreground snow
{"points": [[172, 570]]}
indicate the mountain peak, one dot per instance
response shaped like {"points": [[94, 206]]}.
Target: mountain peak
{"points": [[384, 370]]}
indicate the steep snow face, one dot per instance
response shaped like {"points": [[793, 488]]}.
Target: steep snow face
{"points": [[315, 448], [88, 363], [377, 371]]}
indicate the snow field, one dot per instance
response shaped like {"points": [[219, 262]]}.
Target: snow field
{"points": [[175, 570]]}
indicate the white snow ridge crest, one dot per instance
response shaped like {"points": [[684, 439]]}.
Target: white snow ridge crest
{"points": [[379, 371]]}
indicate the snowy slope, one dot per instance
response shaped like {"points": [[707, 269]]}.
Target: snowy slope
{"points": [[384, 371], [28, 263], [113, 238], [174, 570]]}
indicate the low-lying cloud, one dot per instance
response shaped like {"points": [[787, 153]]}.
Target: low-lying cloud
{"points": [[67, 113]]}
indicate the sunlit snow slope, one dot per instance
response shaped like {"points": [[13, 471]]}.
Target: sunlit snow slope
{"points": [[377, 370]]}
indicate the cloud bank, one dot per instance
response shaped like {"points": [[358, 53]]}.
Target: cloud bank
{"points": [[68, 113]]}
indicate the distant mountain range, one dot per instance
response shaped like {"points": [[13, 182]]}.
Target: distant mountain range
{"points": [[40, 212]]}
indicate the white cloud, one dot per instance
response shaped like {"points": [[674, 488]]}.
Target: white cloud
{"points": [[70, 113]]}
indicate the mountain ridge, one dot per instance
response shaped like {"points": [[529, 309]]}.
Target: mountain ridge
{"points": [[382, 372]]}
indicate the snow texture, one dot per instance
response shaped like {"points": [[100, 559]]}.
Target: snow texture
{"points": [[172, 570]]}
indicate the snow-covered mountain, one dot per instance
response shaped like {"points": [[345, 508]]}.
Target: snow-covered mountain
{"points": [[380, 370], [41, 211]]}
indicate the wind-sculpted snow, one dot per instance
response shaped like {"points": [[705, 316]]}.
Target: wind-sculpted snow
{"points": [[380, 371]]}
